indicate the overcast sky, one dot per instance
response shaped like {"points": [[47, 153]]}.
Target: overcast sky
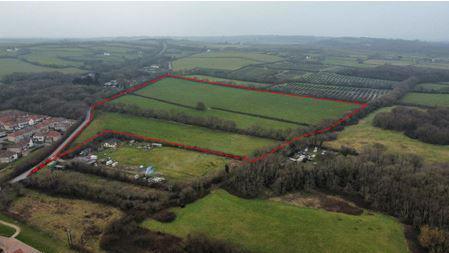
{"points": [[407, 20]]}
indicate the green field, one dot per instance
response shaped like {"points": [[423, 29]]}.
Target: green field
{"points": [[173, 163], [426, 99], [364, 133], [268, 226], [434, 86], [241, 120], [37, 239], [291, 108], [9, 66], [222, 60], [6, 230], [51, 58], [175, 132]]}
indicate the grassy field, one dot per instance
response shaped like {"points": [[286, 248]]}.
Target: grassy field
{"points": [[38, 239], [173, 163], [426, 99], [54, 215], [297, 109], [6, 230], [268, 226], [187, 134], [364, 133], [222, 60], [9, 66], [242, 121], [434, 86]]}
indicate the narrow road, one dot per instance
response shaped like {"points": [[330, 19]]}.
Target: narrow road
{"points": [[54, 155], [15, 227]]}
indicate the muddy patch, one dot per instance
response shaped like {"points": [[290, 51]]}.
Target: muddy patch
{"points": [[321, 201]]}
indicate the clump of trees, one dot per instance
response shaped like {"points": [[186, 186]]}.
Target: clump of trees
{"points": [[200, 106], [51, 94], [430, 126], [118, 194]]}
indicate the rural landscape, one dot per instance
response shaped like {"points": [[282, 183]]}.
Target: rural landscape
{"points": [[230, 144]]}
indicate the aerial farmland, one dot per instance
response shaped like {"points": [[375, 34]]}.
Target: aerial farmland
{"points": [[233, 144]]}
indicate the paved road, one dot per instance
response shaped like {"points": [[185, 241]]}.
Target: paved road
{"points": [[15, 227], [54, 154]]}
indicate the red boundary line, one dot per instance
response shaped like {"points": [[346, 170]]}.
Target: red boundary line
{"points": [[195, 148]]}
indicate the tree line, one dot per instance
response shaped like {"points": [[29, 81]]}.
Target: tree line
{"points": [[430, 126], [399, 73], [209, 121]]}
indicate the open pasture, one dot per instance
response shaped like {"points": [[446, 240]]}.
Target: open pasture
{"points": [[426, 99], [282, 107], [172, 163], [242, 121], [364, 133], [433, 87], [9, 66], [175, 132], [223, 60], [267, 226]]}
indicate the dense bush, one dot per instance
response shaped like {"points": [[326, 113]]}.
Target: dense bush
{"points": [[118, 194], [434, 239], [49, 94], [164, 216], [430, 126]]}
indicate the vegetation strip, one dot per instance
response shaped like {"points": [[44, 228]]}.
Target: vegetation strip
{"points": [[260, 116], [163, 101], [221, 109], [246, 159]]}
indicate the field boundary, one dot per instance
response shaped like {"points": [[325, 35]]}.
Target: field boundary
{"points": [[284, 144]]}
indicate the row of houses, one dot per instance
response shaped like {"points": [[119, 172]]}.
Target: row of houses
{"points": [[13, 120], [21, 132]]}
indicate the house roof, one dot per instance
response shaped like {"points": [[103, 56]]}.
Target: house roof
{"points": [[53, 134], [6, 153]]}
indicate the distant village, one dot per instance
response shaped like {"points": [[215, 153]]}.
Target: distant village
{"points": [[22, 133]]}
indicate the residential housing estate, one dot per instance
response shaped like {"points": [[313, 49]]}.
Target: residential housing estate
{"points": [[22, 132]]}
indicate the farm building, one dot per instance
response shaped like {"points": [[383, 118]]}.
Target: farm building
{"points": [[8, 156]]}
